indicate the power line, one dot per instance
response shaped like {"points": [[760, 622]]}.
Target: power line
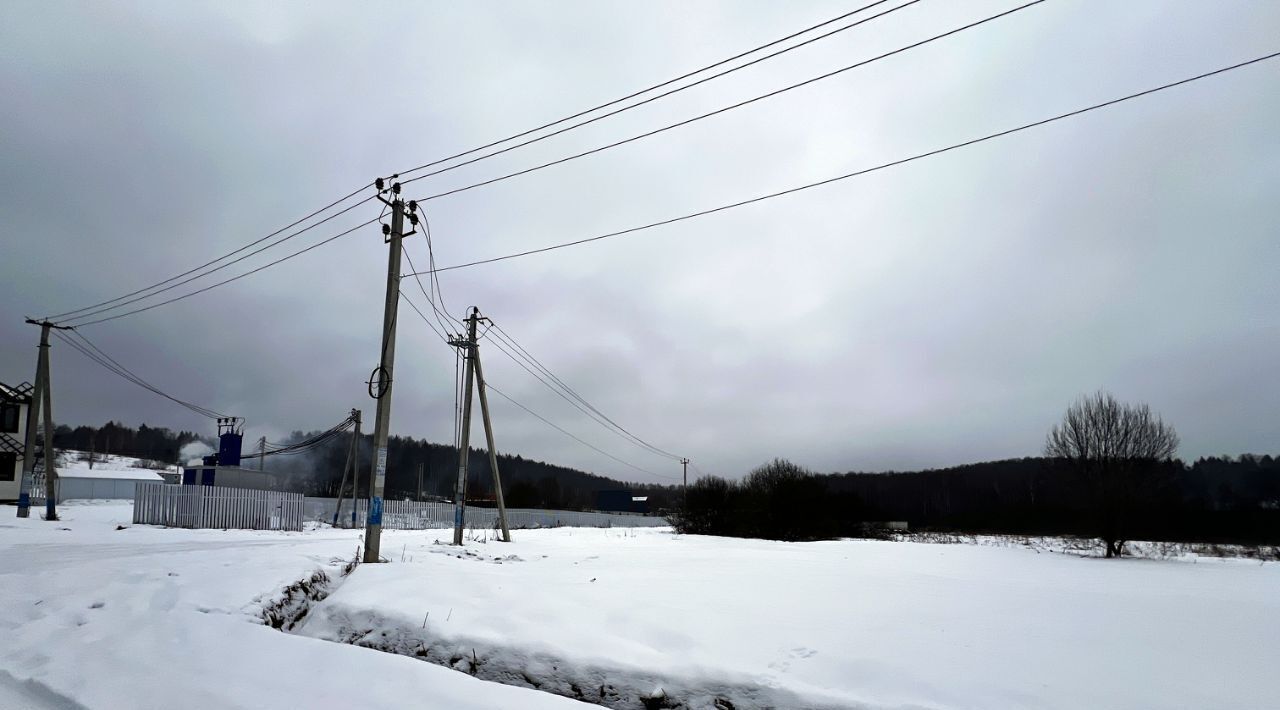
{"points": [[665, 93], [424, 318], [216, 269], [234, 278], [502, 336], [644, 91], [551, 424], [490, 387], [97, 355], [857, 173], [587, 410], [731, 107], [310, 443], [151, 290], [441, 314]]}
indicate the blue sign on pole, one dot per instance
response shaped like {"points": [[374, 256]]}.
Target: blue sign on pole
{"points": [[375, 511]]}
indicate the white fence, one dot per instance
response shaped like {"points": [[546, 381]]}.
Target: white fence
{"points": [[408, 515], [216, 507]]}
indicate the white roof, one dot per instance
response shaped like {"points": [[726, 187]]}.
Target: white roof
{"points": [[128, 474]]}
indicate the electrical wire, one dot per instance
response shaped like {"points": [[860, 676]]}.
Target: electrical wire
{"points": [[666, 93], [310, 443], [858, 173], [567, 393], [644, 91], [489, 386], [441, 320], [227, 281], [433, 271], [458, 394], [148, 291], [121, 301], [728, 108], [97, 355]]}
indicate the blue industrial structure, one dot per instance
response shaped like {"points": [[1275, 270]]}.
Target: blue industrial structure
{"points": [[223, 468], [230, 437], [621, 501]]}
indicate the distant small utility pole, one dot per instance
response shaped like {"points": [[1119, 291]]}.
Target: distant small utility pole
{"points": [[475, 375], [685, 491], [421, 467], [41, 396], [262, 453], [381, 380], [353, 461]]}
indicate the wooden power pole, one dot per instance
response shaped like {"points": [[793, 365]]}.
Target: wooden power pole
{"points": [[381, 381]]}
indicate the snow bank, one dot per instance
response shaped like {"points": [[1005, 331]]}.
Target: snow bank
{"points": [[852, 623], [144, 617], [101, 618]]}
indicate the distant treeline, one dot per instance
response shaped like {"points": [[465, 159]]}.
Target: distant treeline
{"points": [[1217, 499], [526, 483], [157, 444]]}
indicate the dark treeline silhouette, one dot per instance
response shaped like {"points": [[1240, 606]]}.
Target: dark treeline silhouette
{"points": [[144, 442], [526, 483], [1217, 499], [778, 501]]}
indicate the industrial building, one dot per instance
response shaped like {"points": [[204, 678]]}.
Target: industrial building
{"points": [[223, 468]]}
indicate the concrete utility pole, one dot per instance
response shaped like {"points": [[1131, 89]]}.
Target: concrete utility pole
{"points": [[493, 451], [460, 489], [352, 458], [262, 453], [381, 381], [475, 375], [41, 396]]}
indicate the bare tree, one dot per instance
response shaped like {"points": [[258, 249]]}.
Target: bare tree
{"points": [[1121, 452]]}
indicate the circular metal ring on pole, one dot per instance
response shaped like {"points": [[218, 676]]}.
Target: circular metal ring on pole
{"points": [[379, 378]]}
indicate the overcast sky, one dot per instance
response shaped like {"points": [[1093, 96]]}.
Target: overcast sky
{"points": [[937, 313]]}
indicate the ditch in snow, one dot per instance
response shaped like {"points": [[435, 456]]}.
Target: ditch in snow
{"points": [[301, 609]]}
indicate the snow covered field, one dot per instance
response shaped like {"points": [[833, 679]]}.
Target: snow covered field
{"points": [[146, 617]]}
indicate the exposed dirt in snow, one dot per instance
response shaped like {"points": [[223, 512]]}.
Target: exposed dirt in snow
{"points": [[614, 687], [295, 601]]}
